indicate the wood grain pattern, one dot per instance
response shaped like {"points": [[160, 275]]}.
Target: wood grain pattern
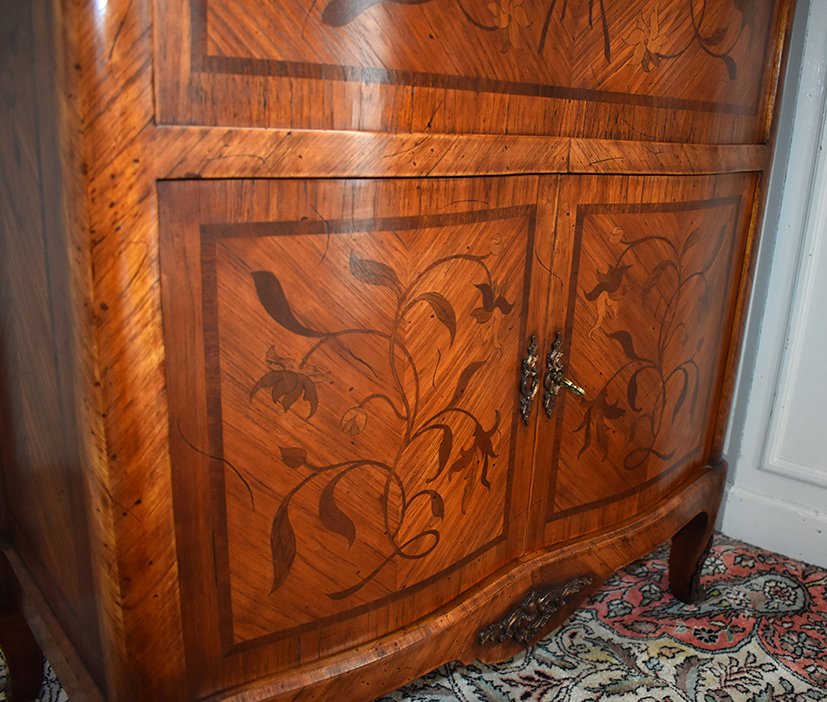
{"points": [[221, 153], [96, 388], [607, 157], [130, 492]]}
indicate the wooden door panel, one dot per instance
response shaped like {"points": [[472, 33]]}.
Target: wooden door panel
{"points": [[677, 70], [342, 361], [655, 266]]}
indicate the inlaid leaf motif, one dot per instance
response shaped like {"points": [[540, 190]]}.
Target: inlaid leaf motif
{"points": [[443, 310], [716, 37], [593, 424], [602, 438], [466, 455], [311, 396], [435, 501], [491, 301], [611, 410], [273, 380], [332, 516], [464, 379], [608, 282], [632, 387], [467, 492], [290, 396], [682, 394], [282, 545], [696, 387], [293, 456], [691, 240], [373, 272], [446, 445], [483, 443], [586, 426], [731, 66], [271, 295], [624, 338], [656, 276], [286, 387], [437, 505]]}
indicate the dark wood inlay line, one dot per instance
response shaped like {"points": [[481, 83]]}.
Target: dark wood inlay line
{"points": [[626, 493], [351, 226]]}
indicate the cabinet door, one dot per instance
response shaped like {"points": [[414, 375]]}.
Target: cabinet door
{"points": [[655, 266], [342, 363]]}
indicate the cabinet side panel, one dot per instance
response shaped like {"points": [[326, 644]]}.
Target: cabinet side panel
{"points": [[41, 351]]}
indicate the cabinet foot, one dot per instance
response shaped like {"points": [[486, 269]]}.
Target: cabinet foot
{"points": [[690, 547], [24, 660]]}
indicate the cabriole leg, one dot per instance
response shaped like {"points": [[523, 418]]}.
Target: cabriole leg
{"points": [[690, 546], [24, 660]]}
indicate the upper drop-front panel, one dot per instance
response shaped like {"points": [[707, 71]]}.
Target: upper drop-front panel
{"points": [[677, 71]]}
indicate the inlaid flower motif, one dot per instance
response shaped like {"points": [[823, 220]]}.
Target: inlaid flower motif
{"points": [[509, 16], [354, 421], [288, 382], [491, 300], [594, 424], [647, 41]]}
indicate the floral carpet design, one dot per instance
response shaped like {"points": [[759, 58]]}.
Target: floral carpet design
{"points": [[758, 635]]}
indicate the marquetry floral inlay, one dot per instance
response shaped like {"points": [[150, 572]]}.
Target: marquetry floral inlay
{"points": [[656, 382], [466, 442], [658, 35]]}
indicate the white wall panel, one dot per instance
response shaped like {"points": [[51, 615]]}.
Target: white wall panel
{"points": [[777, 448]]}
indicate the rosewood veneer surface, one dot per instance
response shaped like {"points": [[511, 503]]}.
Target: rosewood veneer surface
{"points": [[341, 339]]}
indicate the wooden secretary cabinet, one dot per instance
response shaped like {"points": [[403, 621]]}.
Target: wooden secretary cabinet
{"points": [[388, 330]]}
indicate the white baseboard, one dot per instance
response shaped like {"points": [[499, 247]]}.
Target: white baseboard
{"points": [[774, 524]]}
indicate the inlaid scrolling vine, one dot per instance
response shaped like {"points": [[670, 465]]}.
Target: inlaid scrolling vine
{"points": [[466, 441], [514, 20], [676, 273]]}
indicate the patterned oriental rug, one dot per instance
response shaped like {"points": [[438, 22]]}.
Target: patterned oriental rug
{"points": [[758, 635]]}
